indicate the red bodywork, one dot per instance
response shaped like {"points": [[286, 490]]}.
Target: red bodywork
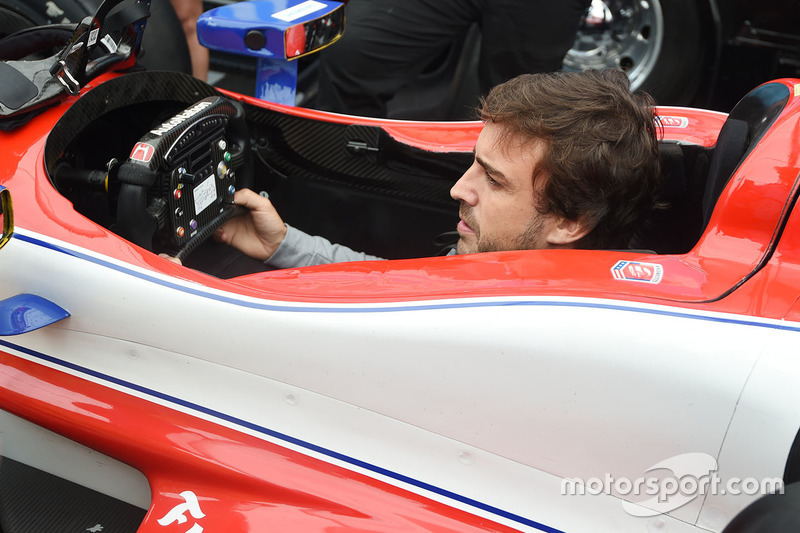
{"points": [[745, 247]]}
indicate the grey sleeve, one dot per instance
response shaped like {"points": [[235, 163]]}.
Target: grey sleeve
{"points": [[300, 249]]}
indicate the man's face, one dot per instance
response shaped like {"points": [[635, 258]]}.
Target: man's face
{"points": [[497, 196]]}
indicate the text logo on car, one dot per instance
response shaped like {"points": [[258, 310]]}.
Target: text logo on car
{"points": [[637, 271], [673, 122]]}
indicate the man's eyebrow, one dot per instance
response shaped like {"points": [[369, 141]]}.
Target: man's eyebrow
{"points": [[496, 174]]}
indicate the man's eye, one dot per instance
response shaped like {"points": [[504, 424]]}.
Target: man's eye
{"points": [[491, 181]]}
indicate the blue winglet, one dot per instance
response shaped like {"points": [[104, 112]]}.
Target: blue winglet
{"points": [[26, 312]]}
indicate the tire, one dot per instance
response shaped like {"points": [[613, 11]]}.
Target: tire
{"points": [[163, 32], [659, 43], [771, 513]]}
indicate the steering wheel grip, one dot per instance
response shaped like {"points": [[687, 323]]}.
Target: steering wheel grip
{"points": [[229, 211]]}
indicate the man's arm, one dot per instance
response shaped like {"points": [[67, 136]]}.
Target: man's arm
{"points": [[262, 234], [299, 249]]}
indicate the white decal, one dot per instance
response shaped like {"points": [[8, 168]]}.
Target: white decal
{"points": [[674, 122], [109, 43], [93, 36], [95, 529], [204, 195], [278, 93], [177, 513], [180, 117], [300, 10]]}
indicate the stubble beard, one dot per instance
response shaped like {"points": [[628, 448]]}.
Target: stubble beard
{"points": [[527, 240]]}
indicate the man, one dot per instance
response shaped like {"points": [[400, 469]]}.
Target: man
{"points": [[565, 160], [188, 12], [388, 44]]}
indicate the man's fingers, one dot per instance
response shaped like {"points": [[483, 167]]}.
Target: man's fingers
{"points": [[221, 235], [249, 199], [173, 259]]}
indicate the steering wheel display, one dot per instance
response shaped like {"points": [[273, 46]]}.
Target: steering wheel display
{"points": [[178, 183]]}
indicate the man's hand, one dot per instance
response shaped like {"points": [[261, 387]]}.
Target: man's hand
{"points": [[257, 233], [173, 259]]}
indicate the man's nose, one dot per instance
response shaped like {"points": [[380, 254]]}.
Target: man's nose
{"points": [[463, 190]]}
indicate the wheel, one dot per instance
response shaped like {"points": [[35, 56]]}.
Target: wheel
{"points": [[770, 513], [659, 43], [164, 44]]}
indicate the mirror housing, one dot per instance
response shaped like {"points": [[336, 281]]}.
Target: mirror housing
{"points": [[276, 32], [273, 29]]}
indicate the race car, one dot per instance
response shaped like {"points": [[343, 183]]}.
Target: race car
{"points": [[644, 389]]}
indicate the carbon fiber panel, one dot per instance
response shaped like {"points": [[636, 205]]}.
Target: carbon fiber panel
{"points": [[33, 501], [312, 149], [117, 93]]}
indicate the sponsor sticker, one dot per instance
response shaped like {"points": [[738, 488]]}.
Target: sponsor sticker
{"points": [[637, 271], [142, 152], [298, 11], [109, 44], [673, 122], [180, 117]]}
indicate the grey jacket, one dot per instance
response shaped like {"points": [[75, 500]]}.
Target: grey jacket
{"points": [[300, 249]]}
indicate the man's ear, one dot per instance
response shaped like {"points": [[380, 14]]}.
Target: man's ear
{"points": [[564, 233]]}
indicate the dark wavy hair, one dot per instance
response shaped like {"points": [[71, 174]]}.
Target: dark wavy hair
{"points": [[601, 161]]}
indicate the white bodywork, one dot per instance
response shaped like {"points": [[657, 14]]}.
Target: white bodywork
{"points": [[486, 404]]}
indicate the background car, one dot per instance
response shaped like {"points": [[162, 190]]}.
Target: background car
{"points": [[700, 52]]}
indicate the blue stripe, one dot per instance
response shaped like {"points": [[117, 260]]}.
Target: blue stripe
{"points": [[283, 437], [406, 306], [353, 309]]}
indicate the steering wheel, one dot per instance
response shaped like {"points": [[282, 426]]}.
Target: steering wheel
{"points": [[177, 186]]}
